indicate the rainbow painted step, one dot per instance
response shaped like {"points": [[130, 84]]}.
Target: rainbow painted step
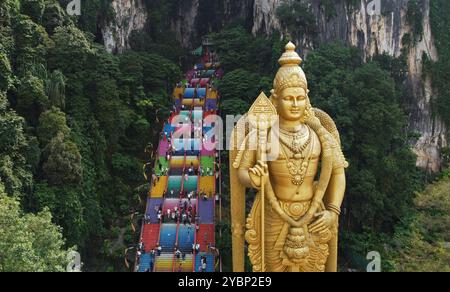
{"points": [[164, 263]]}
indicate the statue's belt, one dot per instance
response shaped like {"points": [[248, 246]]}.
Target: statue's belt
{"points": [[296, 210]]}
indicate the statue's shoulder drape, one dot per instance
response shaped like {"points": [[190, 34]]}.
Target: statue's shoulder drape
{"points": [[328, 123]]}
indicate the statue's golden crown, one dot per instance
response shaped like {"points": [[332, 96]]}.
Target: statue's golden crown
{"points": [[290, 74]]}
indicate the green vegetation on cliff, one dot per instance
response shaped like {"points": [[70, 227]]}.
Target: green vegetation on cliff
{"points": [[440, 25], [86, 116]]}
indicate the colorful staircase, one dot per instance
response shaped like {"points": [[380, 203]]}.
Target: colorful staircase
{"points": [[185, 166]]}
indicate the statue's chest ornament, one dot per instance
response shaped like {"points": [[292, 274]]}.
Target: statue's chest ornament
{"points": [[302, 152]]}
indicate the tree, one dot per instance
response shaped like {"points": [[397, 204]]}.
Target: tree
{"points": [[5, 71], [54, 84], [31, 98], [51, 123], [246, 78], [54, 16], [71, 50], [33, 8], [126, 167], [419, 241], [296, 17], [145, 81], [414, 17], [234, 46], [440, 70], [63, 162], [28, 242], [14, 172], [31, 43], [8, 10], [64, 203], [160, 74], [100, 86], [240, 84], [96, 13], [234, 107]]}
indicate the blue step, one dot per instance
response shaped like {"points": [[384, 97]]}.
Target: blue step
{"points": [[168, 237], [144, 263], [209, 262], [186, 238]]}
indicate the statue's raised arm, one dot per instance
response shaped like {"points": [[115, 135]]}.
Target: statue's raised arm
{"points": [[293, 224]]}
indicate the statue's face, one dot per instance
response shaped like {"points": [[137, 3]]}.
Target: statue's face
{"points": [[292, 103]]}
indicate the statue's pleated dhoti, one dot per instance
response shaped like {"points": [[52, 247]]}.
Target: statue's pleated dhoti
{"points": [[287, 249]]}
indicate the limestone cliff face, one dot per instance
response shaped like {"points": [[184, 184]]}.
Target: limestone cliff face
{"points": [[196, 18], [130, 15], [191, 20], [264, 16], [352, 24]]}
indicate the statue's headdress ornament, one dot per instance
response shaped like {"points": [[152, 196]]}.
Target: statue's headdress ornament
{"points": [[290, 74]]}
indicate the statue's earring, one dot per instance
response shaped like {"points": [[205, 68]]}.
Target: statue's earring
{"points": [[273, 98], [306, 115], [308, 109]]}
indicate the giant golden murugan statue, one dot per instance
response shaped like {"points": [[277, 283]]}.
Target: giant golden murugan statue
{"points": [[293, 224]]}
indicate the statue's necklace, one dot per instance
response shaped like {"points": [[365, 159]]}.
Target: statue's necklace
{"points": [[293, 141], [298, 171]]}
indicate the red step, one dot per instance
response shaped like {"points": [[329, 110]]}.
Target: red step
{"points": [[150, 236], [205, 236]]}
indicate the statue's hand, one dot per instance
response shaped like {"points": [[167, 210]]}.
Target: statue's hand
{"points": [[257, 173], [326, 220]]}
